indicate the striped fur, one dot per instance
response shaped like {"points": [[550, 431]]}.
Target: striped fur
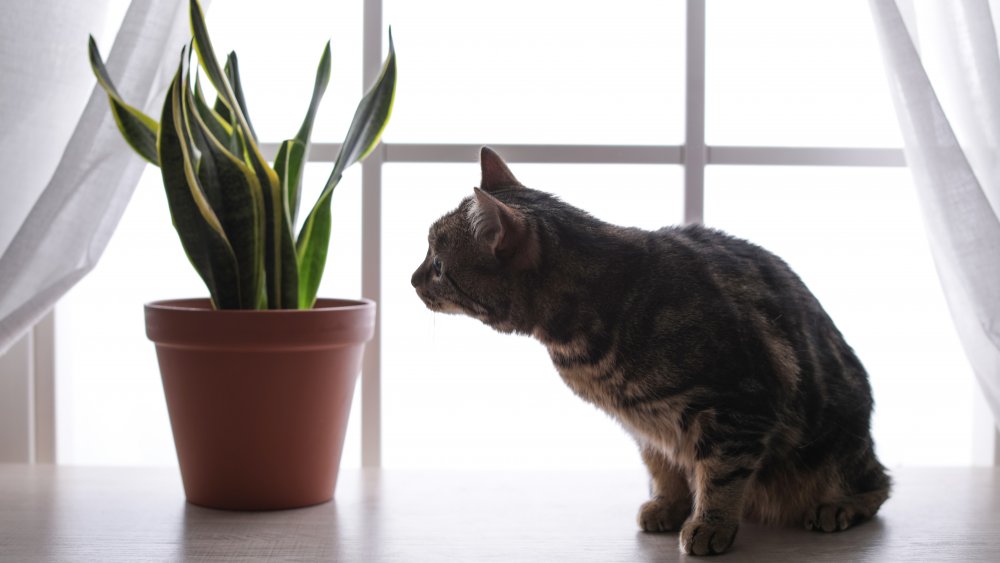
{"points": [[743, 396]]}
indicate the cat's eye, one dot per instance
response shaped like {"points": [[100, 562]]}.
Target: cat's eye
{"points": [[436, 265]]}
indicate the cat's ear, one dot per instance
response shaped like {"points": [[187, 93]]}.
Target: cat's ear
{"points": [[496, 175], [506, 230]]}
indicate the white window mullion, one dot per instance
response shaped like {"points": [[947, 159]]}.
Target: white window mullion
{"points": [[27, 397], [695, 153], [371, 252], [16, 402], [543, 154], [44, 389], [805, 156]]}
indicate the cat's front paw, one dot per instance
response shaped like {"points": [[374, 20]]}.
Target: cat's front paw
{"points": [[699, 537], [661, 515]]}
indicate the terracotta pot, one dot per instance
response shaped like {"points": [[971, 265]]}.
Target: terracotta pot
{"points": [[259, 400]]}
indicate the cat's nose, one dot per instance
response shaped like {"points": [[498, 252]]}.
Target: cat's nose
{"points": [[415, 278]]}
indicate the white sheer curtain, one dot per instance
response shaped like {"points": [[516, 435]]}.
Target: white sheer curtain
{"points": [[944, 71], [67, 175]]}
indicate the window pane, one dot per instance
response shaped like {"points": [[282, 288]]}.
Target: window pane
{"points": [[793, 73], [538, 72], [278, 55], [855, 237], [110, 402], [457, 394]]}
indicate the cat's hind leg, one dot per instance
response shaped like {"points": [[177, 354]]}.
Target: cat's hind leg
{"points": [[670, 502], [866, 487], [841, 514]]}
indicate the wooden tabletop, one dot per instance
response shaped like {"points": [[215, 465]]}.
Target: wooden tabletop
{"points": [[59, 513]]}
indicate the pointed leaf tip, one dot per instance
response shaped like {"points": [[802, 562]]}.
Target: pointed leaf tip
{"points": [[138, 129]]}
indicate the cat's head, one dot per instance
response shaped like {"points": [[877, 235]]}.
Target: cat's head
{"points": [[479, 254]]}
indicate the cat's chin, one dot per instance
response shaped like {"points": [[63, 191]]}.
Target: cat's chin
{"points": [[502, 327], [477, 312], [446, 307], [451, 309]]}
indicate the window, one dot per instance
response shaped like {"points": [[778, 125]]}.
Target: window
{"points": [[829, 90], [801, 156], [528, 72]]}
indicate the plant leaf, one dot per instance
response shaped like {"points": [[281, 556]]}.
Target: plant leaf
{"points": [[312, 246], [200, 231], [280, 261], [235, 142], [293, 153], [363, 135], [206, 56], [319, 88], [222, 109], [232, 71], [226, 105], [289, 165], [281, 270], [370, 118], [235, 194], [220, 128], [138, 129]]}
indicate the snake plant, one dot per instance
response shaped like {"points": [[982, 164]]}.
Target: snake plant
{"points": [[233, 210]]}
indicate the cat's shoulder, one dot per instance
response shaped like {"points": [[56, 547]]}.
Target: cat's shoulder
{"points": [[712, 246], [700, 236]]}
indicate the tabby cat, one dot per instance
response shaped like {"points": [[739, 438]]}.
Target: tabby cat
{"points": [[743, 396]]}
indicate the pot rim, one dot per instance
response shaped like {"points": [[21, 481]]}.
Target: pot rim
{"points": [[192, 323], [203, 305]]}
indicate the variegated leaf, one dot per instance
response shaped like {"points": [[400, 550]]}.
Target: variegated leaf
{"points": [[234, 193], [279, 247], [220, 127], [232, 71], [138, 129], [197, 225], [289, 166], [366, 128]]}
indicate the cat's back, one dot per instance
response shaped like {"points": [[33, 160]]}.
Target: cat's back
{"points": [[718, 253], [731, 269], [740, 313]]}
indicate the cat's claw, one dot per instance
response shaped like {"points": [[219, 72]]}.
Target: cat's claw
{"points": [[703, 538], [661, 515]]}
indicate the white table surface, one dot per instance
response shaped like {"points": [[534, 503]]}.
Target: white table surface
{"points": [[60, 513]]}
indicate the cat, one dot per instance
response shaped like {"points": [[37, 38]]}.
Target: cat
{"points": [[743, 396]]}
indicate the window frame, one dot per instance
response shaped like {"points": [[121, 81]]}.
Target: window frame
{"points": [[33, 372], [694, 156]]}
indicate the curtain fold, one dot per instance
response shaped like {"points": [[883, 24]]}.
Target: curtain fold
{"points": [[65, 208], [947, 99]]}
